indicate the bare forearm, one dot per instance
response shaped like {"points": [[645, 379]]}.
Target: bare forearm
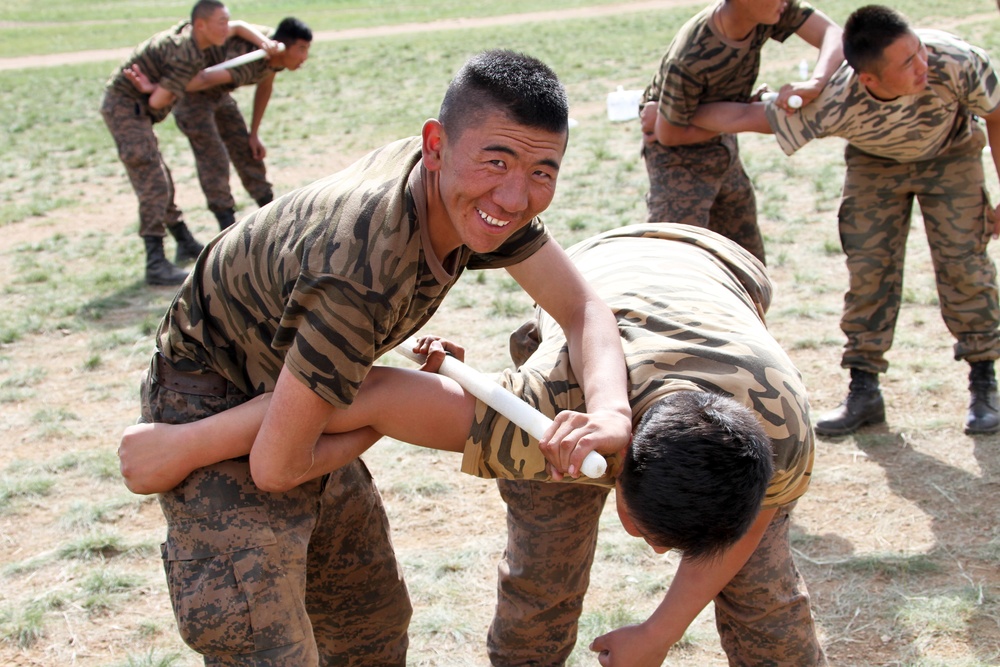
{"points": [[669, 134], [732, 117]]}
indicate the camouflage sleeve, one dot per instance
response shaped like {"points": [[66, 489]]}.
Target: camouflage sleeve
{"points": [[825, 116], [522, 245], [331, 328], [680, 93], [184, 63], [791, 20], [980, 92]]}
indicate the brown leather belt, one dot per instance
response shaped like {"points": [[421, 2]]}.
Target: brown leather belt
{"points": [[197, 384]]}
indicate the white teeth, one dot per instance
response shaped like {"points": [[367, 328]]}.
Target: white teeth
{"points": [[490, 220]]}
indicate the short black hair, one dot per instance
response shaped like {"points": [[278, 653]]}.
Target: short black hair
{"points": [[525, 88], [204, 9], [696, 472], [869, 30], [291, 30]]}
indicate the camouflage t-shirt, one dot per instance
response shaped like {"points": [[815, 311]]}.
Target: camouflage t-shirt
{"points": [[690, 306], [960, 81], [323, 280], [246, 74], [701, 65], [169, 58]]}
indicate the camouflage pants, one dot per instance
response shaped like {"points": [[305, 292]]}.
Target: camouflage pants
{"points": [[307, 577], [874, 222], [704, 185], [763, 614], [139, 151], [217, 133]]}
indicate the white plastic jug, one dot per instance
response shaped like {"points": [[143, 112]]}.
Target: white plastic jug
{"points": [[623, 104]]}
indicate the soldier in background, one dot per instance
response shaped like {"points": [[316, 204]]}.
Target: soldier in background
{"points": [[696, 176], [215, 128], [167, 62], [909, 104]]}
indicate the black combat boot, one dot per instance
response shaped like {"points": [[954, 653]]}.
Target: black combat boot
{"points": [[226, 218], [983, 415], [159, 270], [265, 200], [863, 405], [188, 247]]}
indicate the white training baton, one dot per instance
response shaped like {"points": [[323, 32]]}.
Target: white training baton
{"points": [[501, 400], [794, 101], [242, 60]]}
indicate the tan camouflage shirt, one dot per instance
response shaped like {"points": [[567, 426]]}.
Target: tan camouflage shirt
{"points": [[702, 66], [960, 81], [323, 280], [169, 58], [690, 306]]}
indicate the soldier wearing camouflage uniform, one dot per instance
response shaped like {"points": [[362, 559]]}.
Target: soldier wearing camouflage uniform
{"points": [[696, 177], [722, 450], [169, 60], [269, 559], [215, 128], [690, 307], [907, 103]]}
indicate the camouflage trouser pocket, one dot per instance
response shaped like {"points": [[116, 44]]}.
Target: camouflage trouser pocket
{"points": [[228, 586]]}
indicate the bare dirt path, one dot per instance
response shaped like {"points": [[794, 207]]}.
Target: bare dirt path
{"points": [[100, 55]]}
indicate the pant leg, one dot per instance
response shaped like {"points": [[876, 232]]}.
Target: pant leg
{"points": [[874, 221], [234, 557], [357, 599], [958, 221], [734, 213], [195, 116], [703, 185], [236, 137], [763, 614], [684, 181], [139, 151], [545, 570]]}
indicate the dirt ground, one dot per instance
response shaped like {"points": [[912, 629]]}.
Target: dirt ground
{"points": [[897, 538]]}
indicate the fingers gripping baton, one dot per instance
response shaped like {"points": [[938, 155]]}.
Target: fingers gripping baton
{"points": [[510, 406]]}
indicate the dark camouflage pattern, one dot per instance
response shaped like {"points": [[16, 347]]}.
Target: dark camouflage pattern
{"points": [[912, 128], [874, 222], [322, 281], [690, 307], [218, 134], [139, 151], [217, 131], [169, 58], [305, 577], [544, 572], [763, 614], [704, 185]]}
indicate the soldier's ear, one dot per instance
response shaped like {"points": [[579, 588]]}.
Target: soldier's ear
{"points": [[433, 140]]}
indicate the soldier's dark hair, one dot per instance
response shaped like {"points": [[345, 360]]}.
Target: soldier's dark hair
{"points": [[291, 30], [869, 30], [525, 88], [696, 473], [203, 9]]}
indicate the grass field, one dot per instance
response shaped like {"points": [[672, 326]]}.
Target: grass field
{"points": [[898, 537]]}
